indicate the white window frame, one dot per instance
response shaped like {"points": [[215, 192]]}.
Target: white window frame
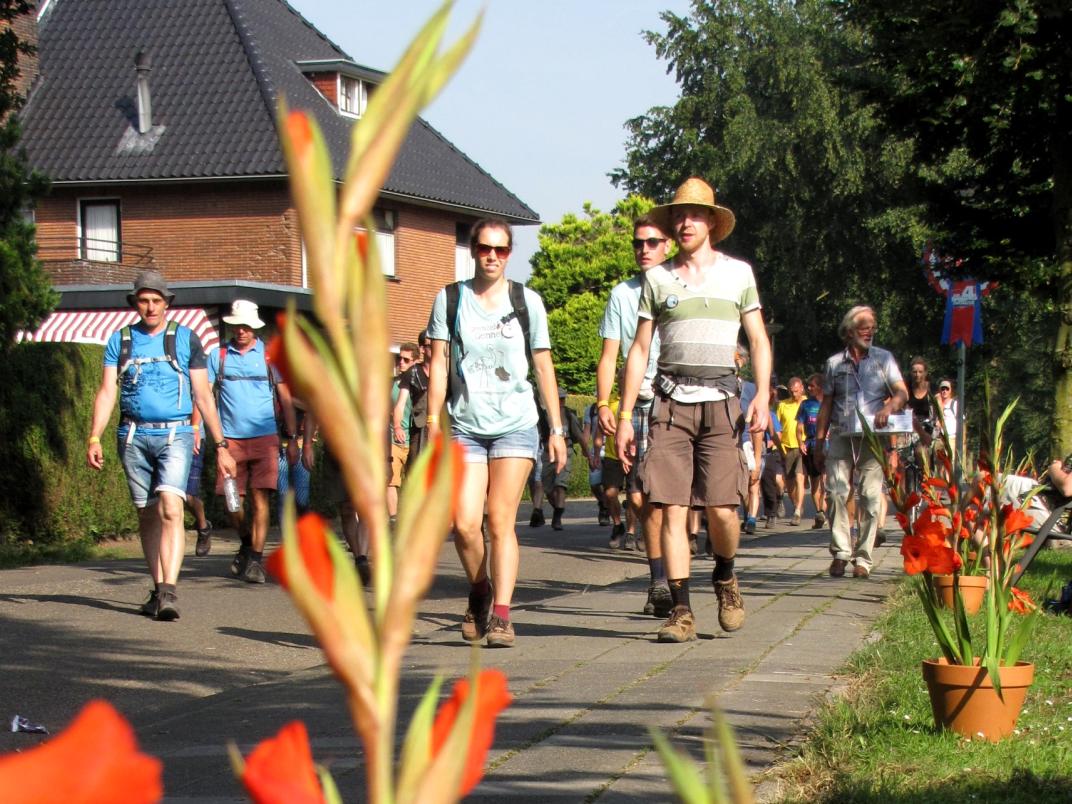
{"points": [[464, 264], [361, 93], [100, 251], [384, 235]]}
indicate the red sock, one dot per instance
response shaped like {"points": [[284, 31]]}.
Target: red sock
{"points": [[501, 611]]}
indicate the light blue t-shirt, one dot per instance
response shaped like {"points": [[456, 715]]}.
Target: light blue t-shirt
{"points": [[154, 391], [490, 394], [246, 403], [620, 324]]}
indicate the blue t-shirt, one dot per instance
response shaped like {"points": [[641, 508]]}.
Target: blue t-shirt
{"points": [[246, 403], [490, 394], [808, 415], [153, 391], [620, 323]]}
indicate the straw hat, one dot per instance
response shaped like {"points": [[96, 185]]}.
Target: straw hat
{"points": [[697, 192], [245, 313]]}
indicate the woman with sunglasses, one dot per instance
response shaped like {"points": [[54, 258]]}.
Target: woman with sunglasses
{"points": [[950, 405], [480, 367]]}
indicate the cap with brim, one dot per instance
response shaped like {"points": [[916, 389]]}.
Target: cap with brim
{"points": [[945, 385], [150, 280], [244, 313], [697, 192]]}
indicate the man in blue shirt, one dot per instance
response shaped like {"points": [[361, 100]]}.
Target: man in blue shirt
{"points": [[158, 374], [246, 392]]}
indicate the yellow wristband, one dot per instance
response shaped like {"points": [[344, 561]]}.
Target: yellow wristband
{"points": [[432, 418], [602, 403], [625, 415], [94, 439]]}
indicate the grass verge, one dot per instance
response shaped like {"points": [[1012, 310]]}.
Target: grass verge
{"points": [[877, 742]]}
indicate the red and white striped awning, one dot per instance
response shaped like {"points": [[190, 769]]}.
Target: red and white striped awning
{"points": [[96, 326]]}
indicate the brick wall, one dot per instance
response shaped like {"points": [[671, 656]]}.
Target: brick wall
{"points": [[25, 26], [424, 263], [327, 83]]}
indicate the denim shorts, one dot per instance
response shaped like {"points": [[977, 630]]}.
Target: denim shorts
{"points": [[518, 444], [154, 465]]}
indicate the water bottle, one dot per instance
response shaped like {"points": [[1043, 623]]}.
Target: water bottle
{"points": [[231, 496]]}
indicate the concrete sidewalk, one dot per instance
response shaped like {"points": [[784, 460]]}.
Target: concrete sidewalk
{"points": [[587, 675]]}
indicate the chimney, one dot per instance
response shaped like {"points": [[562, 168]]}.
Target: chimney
{"points": [[143, 66]]}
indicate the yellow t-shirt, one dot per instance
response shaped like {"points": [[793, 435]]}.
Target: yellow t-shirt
{"points": [[787, 415]]}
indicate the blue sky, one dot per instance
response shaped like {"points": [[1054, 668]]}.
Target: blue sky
{"points": [[542, 100]]}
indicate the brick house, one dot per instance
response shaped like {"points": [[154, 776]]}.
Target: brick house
{"points": [[155, 120]]}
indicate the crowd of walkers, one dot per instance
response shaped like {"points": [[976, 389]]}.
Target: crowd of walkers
{"points": [[676, 427]]}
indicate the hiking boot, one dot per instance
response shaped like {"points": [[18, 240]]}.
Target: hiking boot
{"points": [[204, 540], [238, 564], [796, 518], [630, 542], [500, 633], [781, 507], [253, 573], [770, 521], [556, 519], [364, 571], [475, 624], [168, 609], [750, 525], [537, 520], [604, 517], [820, 521], [730, 604], [616, 534], [692, 544], [659, 602], [681, 627], [837, 567], [149, 607], [860, 572]]}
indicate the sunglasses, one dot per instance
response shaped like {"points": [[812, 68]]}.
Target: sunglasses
{"points": [[407, 359], [651, 242], [484, 250], [944, 388]]}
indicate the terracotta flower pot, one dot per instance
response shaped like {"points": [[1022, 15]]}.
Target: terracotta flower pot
{"points": [[964, 700], [972, 590]]}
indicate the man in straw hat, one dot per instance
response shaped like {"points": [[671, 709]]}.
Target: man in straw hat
{"points": [[254, 405], [157, 369], [698, 302]]}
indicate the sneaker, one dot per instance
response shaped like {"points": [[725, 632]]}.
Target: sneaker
{"points": [[630, 542], [692, 543], [837, 567], [750, 525], [880, 538], [556, 519], [238, 564], [475, 624], [500, 632], [149, 607], [604, 518], [364, 571], [537, 520], [781, 507], [168, 609], [659, 602], [860, 572], [770, 521], [204, 540], [253, 573], [796, 518], [681, 627], [730, 604], [616, 534], [820, 521]]}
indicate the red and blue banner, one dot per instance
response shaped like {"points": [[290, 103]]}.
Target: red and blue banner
{"points": [[963, 299]]}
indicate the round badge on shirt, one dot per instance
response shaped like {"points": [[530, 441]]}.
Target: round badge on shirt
{"points": [[510, 329], [671, 302]]}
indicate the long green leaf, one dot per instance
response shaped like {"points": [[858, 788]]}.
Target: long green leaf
{"points": [[736, 776], [687, 781], [417, 748], [946, 642]]}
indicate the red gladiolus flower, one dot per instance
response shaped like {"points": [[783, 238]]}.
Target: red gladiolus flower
{"points": [[914, 550], [280, 770], [274, 353], [491, 698], [1015, 519], [313, 544], [902, 520], [942, 560], [930, 528], [913, 500], [299, 132], [935, 483], [361, 241], [95, 759], [1020, 601]]}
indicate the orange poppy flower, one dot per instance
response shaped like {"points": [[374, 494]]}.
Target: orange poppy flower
{"points": [[1020, 601], [492, 697], [313, 544], [1015, 519], [95, 759], [280, 769], [914, 550]]}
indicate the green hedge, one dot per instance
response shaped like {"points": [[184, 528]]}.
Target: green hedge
{"points": [[47, 492]]}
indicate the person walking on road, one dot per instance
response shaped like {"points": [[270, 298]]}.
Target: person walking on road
{"points": [[487, 334], [807, 422], [792, 456], [698, 301], [157, 369]]}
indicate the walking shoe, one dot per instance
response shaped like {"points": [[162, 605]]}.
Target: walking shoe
{"points": [[692, 544], [604, 517], [681, 627], [204, 540], [750, 525], [253, 573], [364, 571], [616, 534], [730, 604], [837, 567], [500, 632], [149, 607], [168, 609], [820, 521], [475, 624], [659, 602], [880, 538], [770, 521], [630, 542], [781, 507], [860, 572], [796, 518], [537, 520], [238, 564], [556, 519]]}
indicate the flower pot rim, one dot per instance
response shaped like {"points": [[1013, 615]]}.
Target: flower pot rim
{"points": [[985, 577], [941, 661]]}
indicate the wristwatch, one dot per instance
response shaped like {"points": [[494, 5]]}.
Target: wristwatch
{"points": [[558, 431], [222, 444]]}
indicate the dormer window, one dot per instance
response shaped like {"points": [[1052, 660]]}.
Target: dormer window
{"points": [[353, 96]]}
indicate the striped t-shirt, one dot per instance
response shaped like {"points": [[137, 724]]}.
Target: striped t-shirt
{"points": [[698, 325]]}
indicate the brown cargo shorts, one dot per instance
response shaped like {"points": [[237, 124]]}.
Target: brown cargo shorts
{"points": [[257, 462], [693, 456]]}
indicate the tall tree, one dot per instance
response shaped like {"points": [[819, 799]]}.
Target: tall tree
{"points": [[824, 212], [985, 91], [26, 295], [580, 259]]}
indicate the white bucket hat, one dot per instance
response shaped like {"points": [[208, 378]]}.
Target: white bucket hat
{"points": [[243, 312]]}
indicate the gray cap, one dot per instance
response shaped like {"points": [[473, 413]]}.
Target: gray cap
{"points": [[561, 392], [150, 280]]}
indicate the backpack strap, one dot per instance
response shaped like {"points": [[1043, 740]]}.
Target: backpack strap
{"points": [[521, 313], [454, 294], [125, 347], [218, 383]]}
